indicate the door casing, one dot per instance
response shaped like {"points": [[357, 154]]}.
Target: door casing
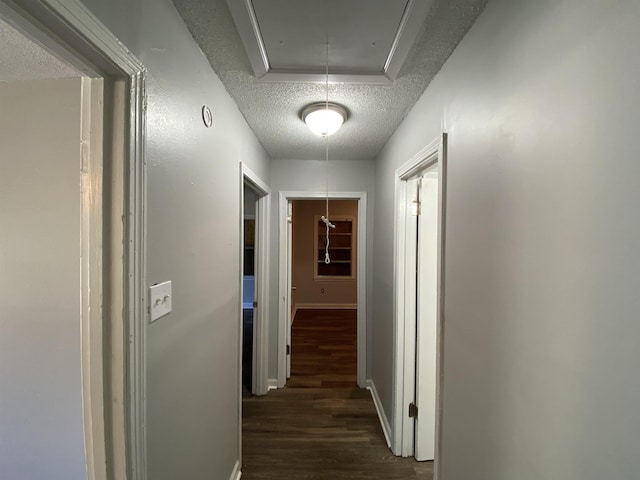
{"points": [[114, 408], [262, 265], [284, 284], [261, 292], [404, 382]]}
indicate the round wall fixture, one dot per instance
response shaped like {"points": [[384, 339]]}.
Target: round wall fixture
{"points": [[207, 116], [324, 118]]}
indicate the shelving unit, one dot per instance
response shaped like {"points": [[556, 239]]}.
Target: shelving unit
{"points": [[340, 248]]}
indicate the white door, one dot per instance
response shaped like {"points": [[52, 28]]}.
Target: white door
{"points": [[426, 316], [410, 290], [419, 235]]}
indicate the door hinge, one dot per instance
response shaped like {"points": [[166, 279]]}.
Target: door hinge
{"points": [[255, 304], [413, 410], [415, 208], [288, 349]]}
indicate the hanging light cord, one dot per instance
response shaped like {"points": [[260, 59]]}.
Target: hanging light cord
{"points": [[326, 137], [325, 219]]}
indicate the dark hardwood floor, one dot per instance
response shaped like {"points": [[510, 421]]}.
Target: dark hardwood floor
{"points": [[323, 349], [321, 426]]}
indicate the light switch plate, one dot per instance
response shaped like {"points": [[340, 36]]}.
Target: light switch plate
{"points": [[159, 300]]}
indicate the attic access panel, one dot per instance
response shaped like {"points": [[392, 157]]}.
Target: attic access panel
{"points": [[369, 39], [295, 33]]}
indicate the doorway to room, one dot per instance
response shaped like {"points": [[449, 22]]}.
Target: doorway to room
{"points": [[291, 302], [420, 199], [324, 297], [74, 222], [254, 267], [248, 290]]}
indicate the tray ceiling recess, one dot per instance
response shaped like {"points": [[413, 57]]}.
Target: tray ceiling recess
{"points": [[368, 41]]}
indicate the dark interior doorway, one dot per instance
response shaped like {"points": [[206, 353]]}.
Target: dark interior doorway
{"points": [[248, 289]]}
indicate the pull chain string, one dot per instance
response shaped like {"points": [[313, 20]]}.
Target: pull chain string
{"points": [[326, 137], [327, 258]]}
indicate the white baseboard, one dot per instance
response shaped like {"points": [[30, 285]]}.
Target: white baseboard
{"points": [[272, 384], [384, 421], [323, 306], [236, 473]]}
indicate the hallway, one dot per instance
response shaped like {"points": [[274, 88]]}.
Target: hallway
{"points": [[321, 426]]}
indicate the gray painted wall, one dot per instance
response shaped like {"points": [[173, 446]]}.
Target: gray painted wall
{"points": [[542, 273], [249, 201], [194, 191], [310, 176], [41, 422]]}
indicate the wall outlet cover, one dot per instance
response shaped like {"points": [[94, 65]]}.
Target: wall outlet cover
{"points": [[160, 300]]}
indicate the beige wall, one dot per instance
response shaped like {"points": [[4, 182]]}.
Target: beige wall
{"points": [[310, 291], [41, 423]]}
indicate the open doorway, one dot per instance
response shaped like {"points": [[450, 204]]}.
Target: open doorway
{"points": [[418, 288], [42, 251], [324, 296], [72, 219], [254, 266], [248, 291], [290, 298]]}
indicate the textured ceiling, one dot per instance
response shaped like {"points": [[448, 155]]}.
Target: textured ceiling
{"points": [[272, 108], [22, 59]]}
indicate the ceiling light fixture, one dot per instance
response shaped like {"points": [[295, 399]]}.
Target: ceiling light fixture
{"points": [[324, 118]]}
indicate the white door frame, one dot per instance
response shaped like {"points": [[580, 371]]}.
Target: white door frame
{"points": [[260, 347], [261, 320], [404, 336], [284, 290], [114, 408], [92, 272]]}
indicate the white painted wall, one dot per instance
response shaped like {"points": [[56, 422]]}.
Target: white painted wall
{"points": [[310, 176], [193, 239], [41, 422], [542, 349]]}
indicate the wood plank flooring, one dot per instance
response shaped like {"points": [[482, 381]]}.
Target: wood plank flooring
{"points": [[323, 349], [321, 426]]}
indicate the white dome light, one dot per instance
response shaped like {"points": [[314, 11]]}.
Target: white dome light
{"points": [[323, 119]]}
